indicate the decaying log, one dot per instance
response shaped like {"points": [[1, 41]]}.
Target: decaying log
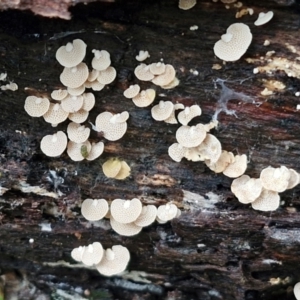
{"points": [[218, 248]]}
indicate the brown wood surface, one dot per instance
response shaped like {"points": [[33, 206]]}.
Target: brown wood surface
{"points": [[217, 249]]}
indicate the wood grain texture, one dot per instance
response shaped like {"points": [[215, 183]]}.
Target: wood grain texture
{"points": [[218, 248]]}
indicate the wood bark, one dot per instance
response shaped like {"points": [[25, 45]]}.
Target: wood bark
{"points": [[218, 248]]}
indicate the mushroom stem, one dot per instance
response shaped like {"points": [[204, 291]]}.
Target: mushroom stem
{"points": [[109, 254], [69, 47]]}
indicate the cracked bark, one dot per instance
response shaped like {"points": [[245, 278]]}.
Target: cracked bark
{"points": [[218, 248]]}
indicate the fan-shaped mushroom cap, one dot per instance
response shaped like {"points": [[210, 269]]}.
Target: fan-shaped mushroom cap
{"points": [[263, 18], [275, 179], [237, 167], [147, 216], [74, 150], [55, 114], [114, 260], [77, 253], [234, 43], [186, 4], [120, 118], [126, 211], [142, 55], [124, 171], [36, 107], [132, 91], [110, 126], [210, 148], [177, 152], [167, 212], [128, 229], [267, 201], [294, 179], [297, 290], [75, 76], [107, 76], [171, 85], [59, 95], [76, 91], [172, 119], [78, 133], [96, 150], [94, 85], [222, 163], [162, 110], [101, 60], [190, 136], [93, 75], [111, 167], [72, 104], [246, 189], [157, 68], [54, 145], [88, 101], [94, 209], [189, 113], [92, 254], [165, 78], [79, 116], [144, 98], [142, 72], [72, 54]]}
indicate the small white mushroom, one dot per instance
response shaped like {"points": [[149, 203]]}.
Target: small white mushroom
{"points": [[162, 110], [234, 43], [297, 290], [78, 133], [190, 136], [92, 254], [72, 54], [55, 114], [275, 179], [107, 76], [94, 209], [267, 201], [101, 60], [167, 212], [132, 91], [77, 253], [237, 167], [177, 152], [126, 211], [74, 77], [144, 98], [147, 216], [36, 107], [55, 144], [128, 229], [142, 72], [186, 4], [185, 116], [263, 18], [143, 55], [114, 260]]}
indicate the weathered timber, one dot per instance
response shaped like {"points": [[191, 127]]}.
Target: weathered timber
{"points": [[218, 248]]}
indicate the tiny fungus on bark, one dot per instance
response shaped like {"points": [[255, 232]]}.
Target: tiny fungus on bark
{"points": [[162, 110], [107, 76], [186, 4], [263, 18], [92, 254], [147, 216], [54, 145], [267, 201], [275, 179], [94, 209], [189, 113], [72, 104], [132, 91], [55, 114], [143, 55], [101, 60], [246, 189], [78, 133], [234, 43], [142, 72], [128, 229], [74, 77], [59, 95], [114, 261], [36, 107], [177, 152], [157, 68], [125, 211], [72, 54], [191, 136], [237, 167], [144, 98]]}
